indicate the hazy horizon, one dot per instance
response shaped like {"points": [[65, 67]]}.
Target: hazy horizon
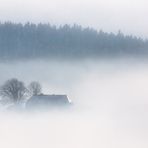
{"points": [[104, 75], [129, 16]]}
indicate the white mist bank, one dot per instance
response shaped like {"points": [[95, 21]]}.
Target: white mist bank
{"points": [[110, 105]]}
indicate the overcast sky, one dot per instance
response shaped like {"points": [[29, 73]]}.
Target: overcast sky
{"points": [[130, 16]]}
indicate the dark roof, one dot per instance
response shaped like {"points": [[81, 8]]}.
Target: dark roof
{"points": [[46, 100]]}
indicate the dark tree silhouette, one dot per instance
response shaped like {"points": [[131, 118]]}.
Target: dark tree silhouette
{"points": [[35, 88], [44, 41], [13, 90]]}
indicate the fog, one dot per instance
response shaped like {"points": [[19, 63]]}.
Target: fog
{"points": [[130, 16], [110, 105]]}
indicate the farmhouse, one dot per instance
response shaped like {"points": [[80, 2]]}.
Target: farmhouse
{"points": [[43, 100]]}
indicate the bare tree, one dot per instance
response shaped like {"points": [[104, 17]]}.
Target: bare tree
{"points": [[35, 88], [13, 90]]}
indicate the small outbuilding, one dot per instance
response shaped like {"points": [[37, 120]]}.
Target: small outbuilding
{"points": [[45, 101]]}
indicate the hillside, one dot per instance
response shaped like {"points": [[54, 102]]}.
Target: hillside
{"points": [[43, 40]]}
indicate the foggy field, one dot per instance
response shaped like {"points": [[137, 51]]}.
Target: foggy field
{"points": [[81, 69], [110, 105]]}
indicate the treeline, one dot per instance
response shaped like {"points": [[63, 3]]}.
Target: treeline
{"points": [[43, 40]]}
